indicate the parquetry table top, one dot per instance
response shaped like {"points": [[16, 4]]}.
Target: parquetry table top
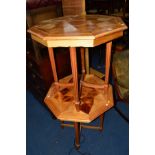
{"points": [[91, 28]]}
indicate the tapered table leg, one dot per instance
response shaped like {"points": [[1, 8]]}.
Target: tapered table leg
{"points": [[75, 76], [82, 50], [52, 60], [77, 134], [87, 60], [108, 58]]}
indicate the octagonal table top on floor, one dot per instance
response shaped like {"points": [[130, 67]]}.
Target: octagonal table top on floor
{"points": [[78, 30]]}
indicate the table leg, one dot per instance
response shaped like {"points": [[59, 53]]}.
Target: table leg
{"points": [[87, 60], [52, 60], [82, 60], [77, 134], [108, 58], [75, 76]]}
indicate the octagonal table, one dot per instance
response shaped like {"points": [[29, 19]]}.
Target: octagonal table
{"points": [[79, 98]]}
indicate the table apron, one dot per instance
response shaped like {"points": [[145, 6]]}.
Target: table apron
{"points": [[78, 42]]}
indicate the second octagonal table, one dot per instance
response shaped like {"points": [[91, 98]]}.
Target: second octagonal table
{"points": [[70, 99]]}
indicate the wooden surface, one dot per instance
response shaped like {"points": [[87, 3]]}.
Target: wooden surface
{"points": [[73, 7], [78, 30], [93, 102]]}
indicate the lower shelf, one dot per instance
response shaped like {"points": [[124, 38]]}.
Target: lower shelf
{"points": [[93, 102]]}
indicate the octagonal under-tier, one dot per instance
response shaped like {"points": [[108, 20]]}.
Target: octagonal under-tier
{"points": [[93, 102], [78, 30]]}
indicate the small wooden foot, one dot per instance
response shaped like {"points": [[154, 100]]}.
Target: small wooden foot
{"points": [[101, 122], [77, 135], [62, 122]]}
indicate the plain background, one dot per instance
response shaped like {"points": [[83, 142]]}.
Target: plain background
{"points": [[13, 77]]}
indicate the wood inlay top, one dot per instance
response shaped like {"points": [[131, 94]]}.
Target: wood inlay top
{"points": [[78, 27]]}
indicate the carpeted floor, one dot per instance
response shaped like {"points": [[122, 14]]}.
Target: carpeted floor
{"points": [[46, 137]]}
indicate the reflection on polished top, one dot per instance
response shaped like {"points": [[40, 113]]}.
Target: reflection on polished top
{"points": [[77, 27]]}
